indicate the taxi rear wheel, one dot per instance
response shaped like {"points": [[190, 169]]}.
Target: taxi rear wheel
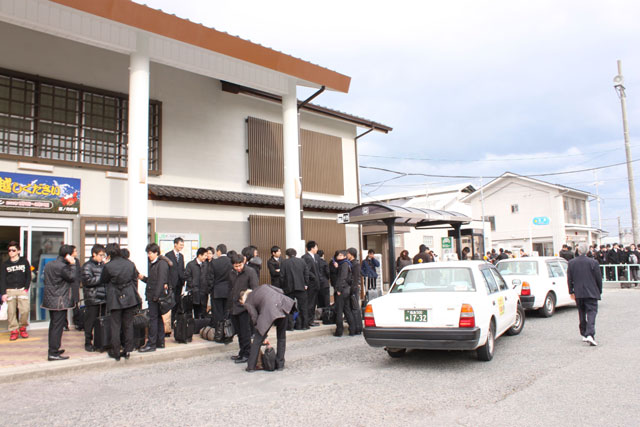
{"points": [[485, 353], [549, 306], [519, 323], [396, 352]]}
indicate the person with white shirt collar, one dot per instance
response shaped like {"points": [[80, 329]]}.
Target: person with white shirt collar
{"points": [[176, 273], [195, 276]]}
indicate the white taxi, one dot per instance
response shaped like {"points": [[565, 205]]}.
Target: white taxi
{"points": [[541, 281], [455, 305]]}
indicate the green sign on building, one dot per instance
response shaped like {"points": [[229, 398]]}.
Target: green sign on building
{"points": [[446, 243]]}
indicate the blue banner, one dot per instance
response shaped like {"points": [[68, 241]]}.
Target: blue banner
{"points": [[39, 193]]}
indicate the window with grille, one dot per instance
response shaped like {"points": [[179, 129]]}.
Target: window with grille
{"points": [[107, 230], [62, 122]]}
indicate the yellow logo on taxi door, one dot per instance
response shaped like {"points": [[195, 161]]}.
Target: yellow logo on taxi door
{"points": [[501, 305]]}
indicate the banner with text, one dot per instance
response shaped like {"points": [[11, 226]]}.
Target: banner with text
{"points": [[39, 193]]}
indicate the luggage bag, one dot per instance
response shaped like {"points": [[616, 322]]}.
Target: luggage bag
{"points": [[102, 333], [183, 328]]}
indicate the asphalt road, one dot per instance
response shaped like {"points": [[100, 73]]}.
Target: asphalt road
{"points": [[544, 376]]}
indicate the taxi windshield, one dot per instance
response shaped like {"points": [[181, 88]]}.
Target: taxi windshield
{"points": [[522, 268], [444, 279]]}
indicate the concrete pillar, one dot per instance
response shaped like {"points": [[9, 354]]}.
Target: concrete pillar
{"points": [[292, 186], [138, 153]]}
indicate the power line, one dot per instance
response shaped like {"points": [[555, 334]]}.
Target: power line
{"points": [[561, 156], [491, 177]]}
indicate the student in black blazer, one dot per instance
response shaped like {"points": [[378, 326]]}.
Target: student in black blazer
{"points": [[219, 282], [585, 287], [176, 273]]}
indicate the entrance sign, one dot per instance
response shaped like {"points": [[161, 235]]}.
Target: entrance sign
{"points": [[39, 193], [446, 243], [541, 220]]}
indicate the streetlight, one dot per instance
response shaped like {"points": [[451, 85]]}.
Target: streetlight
{"points": [[618, 84]]}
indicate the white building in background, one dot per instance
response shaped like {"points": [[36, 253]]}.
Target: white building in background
{"points": [[534, 215]]}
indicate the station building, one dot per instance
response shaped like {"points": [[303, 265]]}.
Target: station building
{"points": [[121, 123]]}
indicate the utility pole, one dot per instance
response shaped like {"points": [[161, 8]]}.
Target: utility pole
{"points": [[618, 84], [619, 232], [597, 183]]}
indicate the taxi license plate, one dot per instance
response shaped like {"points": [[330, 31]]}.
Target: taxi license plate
{"points": [[415, 315]]}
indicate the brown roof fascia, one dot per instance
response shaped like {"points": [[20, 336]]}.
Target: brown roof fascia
{"points": [[238, 89], [166, 25]]}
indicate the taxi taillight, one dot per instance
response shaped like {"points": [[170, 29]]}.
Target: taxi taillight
{"points": [[467, 317], [369, 320], [526, 289]]}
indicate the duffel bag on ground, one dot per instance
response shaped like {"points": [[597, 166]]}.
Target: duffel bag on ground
{"points": [[329, 315]]}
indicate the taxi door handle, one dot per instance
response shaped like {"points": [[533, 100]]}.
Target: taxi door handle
{"points": [[494, 303]]}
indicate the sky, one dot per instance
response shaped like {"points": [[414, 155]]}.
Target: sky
{"points": [[471, 88]]}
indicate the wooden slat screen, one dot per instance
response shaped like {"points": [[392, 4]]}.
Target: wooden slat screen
{"points": [[267, 231], [321, 158]]}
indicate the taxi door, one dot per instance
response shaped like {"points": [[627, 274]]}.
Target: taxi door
{"points": [[510, 298], [558, 282], [496, 300]]}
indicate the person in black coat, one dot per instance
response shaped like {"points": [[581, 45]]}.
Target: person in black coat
{"points": [[242, 278], [157, 283], [324, 294], [333, 269], [267, 306], [219, 283], [585, 287], [273, 264], [313, 287], [342, 295], [352, 256], [295, 278], [95, 293], [59, 278], [176, 273], [120, 277], [195, 276]]}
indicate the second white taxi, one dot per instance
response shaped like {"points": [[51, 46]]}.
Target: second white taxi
{"points": [[456, 305], [541, 281]]}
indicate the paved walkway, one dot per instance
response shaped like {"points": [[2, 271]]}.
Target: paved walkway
{"points": [[27, 358]]}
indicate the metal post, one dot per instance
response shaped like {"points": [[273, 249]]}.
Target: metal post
{"points": [[456, 228], [391, 241], [619, 86]]}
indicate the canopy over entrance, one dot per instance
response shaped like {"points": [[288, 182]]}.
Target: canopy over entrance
{"points": [[392, 215]]}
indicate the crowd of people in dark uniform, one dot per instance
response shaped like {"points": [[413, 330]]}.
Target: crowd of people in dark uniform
{"points": [[221, 285], [614, 259]]}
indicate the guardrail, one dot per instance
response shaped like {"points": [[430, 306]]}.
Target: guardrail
{"points": [[620, 273]]}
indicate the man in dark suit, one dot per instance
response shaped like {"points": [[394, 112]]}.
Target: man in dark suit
{"points": [[176, 273], [352, 256], [343, 295], [311, 259], [324, 294], [295, 278], [273, 264], [585, 287], [241, 278], [267, 306], [219, 282]]}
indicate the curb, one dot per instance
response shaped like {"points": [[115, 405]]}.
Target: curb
{"points": [[49, 369]]}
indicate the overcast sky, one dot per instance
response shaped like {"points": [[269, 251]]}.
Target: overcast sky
{"points": [[470, 87]]}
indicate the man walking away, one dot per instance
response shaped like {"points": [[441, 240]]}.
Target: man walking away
{"points": [[295, 277], [369, 272], [195, 276], [242, 278], [157, 282], [352, 256], [15, 278], [176, 273], [273, 264], [95, 293], [313, 286], [219, 283], [59, 278], [342, 295], [268, 306], [324, 294], [585, 287]]}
